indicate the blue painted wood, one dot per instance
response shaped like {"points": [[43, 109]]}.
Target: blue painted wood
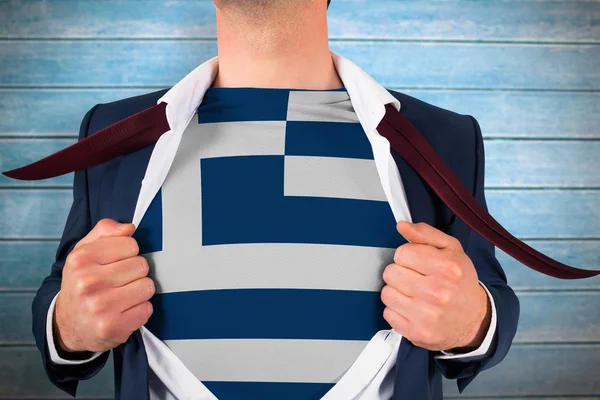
{"points": [[25, 264], [134, 63], [22, 376], [487, 47], [528, 397], [538, 164], [509, 163], [17, 152], [547, 213], [556, 21], [545, 317], [54, 112], [35, 213], [559, 317], [581, 253], [522, 114], [543, 370]]}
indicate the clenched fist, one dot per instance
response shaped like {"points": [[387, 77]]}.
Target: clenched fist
{"points": [[104, 291], [433, 296]]}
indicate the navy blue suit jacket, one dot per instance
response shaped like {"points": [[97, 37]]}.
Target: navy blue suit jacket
{"points": [[110, 190]]}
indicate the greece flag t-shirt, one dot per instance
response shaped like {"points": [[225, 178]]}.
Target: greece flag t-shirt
{"points": [[267, 243]]}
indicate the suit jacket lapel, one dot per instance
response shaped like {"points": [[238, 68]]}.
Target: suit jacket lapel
{"points": [[413, 363], [130, 358]]}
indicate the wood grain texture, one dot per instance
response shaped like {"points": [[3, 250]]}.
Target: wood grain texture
{"points": [[22, 376], [26, 263], [540, 21], [36, 213], [556, 371], [150, 62], [526, 69], [572, 115], [508, 163], [581, 253], [542, 370], [575, 317]]}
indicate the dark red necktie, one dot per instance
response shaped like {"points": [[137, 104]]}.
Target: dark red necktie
{"points": [[145, 127]]}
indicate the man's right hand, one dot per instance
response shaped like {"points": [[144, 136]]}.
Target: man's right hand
{"points": [[104, 292]]}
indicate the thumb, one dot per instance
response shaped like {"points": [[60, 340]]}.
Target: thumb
{"points": [[424, 233], [107, 227], [408, 231]]}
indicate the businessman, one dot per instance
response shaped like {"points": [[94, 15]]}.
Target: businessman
{"points": [[270, 245]]}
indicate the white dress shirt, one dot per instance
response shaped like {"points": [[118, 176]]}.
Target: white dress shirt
{"points": [[169, 378]]}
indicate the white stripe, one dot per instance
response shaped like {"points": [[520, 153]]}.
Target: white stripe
{"points": [[226, 139], [320, 106], [349, 178], [270, 265], [267, 360]]}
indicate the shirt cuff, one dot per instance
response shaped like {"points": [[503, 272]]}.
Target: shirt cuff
{"points": [[487, 341], [54, 357]]}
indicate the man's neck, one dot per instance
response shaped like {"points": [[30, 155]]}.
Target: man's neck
{"points": [[283, 46]]}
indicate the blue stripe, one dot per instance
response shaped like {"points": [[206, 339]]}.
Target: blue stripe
{"points": [[327, 139], [243, 104], [267, 314], [268, 390], [243, 202], [149, 231]]}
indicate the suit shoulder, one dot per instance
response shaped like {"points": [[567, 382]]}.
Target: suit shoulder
{"points": [[114, 111], [416, 108], [443, 128], [454, 136]]}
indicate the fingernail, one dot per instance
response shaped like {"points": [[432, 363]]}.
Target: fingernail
{"points": [[120, 226]]}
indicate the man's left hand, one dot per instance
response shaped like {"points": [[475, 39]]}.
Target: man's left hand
{"points": [[433, 296]]}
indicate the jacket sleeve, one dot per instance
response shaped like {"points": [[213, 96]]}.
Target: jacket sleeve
{"points": [[78, 225], [491, 274]]}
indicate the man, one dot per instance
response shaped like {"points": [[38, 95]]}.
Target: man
{"points": [[263, 259]]}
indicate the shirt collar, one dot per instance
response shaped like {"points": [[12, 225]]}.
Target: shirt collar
{"points": [[368, 97]]}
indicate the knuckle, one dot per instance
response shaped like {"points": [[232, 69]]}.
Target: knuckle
{"points": [[104, 329], [143, 266], [404, 251], [150, 287], [398, 254], [131, 244], [454, 269], [83, 285], [78, 257], [123, 337], [386, 295], [425, 336], [441, 295], [456, 242], [387, 315], [393, 321], [420, 226], [104, 224], [388, 273], [94, 305], [147, 312]]}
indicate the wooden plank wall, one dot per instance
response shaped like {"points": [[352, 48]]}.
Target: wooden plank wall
{"points": [[529, 71]]}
